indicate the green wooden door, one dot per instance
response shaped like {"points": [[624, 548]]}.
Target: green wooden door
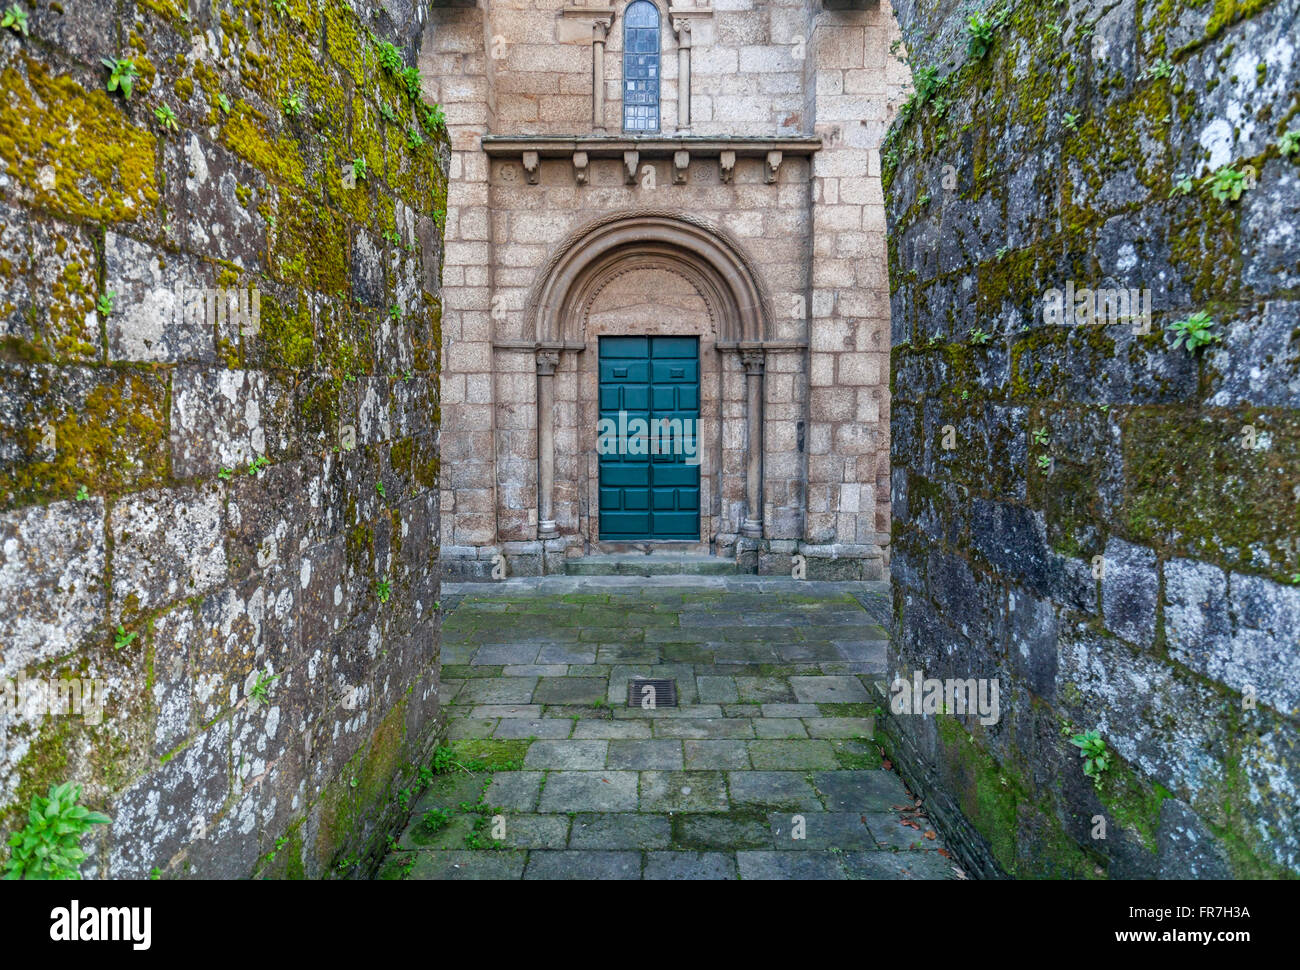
{"points": [[650, 401]]}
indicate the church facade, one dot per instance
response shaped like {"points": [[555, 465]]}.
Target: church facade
{"points": [[666, 308]]}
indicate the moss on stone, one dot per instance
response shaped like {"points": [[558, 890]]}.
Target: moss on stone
{"points": [[72, 151]]}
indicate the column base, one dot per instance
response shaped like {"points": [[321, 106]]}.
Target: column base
{"points": [[547, 529], [752, 529]]}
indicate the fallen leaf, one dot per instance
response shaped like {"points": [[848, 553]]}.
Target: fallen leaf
{"points": [[931, 834], [944, 852]]}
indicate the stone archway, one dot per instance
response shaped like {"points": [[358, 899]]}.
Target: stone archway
{"points": [[586, 264]]}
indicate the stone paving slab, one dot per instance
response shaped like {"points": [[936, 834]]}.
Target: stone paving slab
{"points": [[772, 738]]}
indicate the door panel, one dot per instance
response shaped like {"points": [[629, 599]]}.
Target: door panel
{"points": [[644, 493]]}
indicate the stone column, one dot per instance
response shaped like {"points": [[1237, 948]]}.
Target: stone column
{"points": [[546, 362], [682, 25], [753, 524], [599, 34]]}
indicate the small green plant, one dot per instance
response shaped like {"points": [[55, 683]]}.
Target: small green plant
{"points": [[261, 689], [155, 873], [1001, 254], [379, 487], [105, 302], [1289, 144], [292, 103], [979, 35], [359, 169], [1040, 436], [122, 638], [1194, 331], [383, 590], [411, 78], [1183, 185], [1160, 69], [1071, 121], [434, 820], [395, 312], [15, 18], [923, 199], [1044, 462], [387, 111], [166, 117], [50, 845], [225, 474], [433, 118], [281, 6], [82, 494], [1226, 185], [257, 464], [1092, 749], [390, 58], [122, 75], [979, 336], [223, 103], [404, 797]]}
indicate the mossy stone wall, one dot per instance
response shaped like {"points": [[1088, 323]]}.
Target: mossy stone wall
{"points": [[1111, 527], [248, 501]]}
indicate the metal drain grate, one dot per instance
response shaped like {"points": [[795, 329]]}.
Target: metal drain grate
{"points": [[651, 693]]}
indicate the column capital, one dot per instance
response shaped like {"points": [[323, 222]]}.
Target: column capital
{"points": [[547, 361], [682, 27], [753, 360]]}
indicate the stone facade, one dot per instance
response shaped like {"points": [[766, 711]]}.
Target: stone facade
{"points": [[1101, 520], [225, 520], [753, 214]]}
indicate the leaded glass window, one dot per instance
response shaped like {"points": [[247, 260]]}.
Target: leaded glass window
{"points": [[641, 67]]}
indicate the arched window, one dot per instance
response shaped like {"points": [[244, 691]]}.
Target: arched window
{"points": [[641, 67]]}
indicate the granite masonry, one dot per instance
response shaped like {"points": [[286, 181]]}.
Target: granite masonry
{"points": [[219, 314], [1084, 507], [746, 211]]}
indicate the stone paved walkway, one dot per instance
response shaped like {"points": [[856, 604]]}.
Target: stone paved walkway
{"points": [[766, 770]]}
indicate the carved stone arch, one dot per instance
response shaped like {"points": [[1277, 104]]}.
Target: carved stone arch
{"points": [[708, 253]]}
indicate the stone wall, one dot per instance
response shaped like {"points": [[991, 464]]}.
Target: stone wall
{"points": [[230, 522], [1102, 520]]}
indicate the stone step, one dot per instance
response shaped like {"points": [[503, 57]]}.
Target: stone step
{"points": [[640, 564]]}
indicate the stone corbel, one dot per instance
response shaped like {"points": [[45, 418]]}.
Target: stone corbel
{"points": [[630, 162], [580, 167], [726, 166], [773, 166], [681, 162], [532, 167]]}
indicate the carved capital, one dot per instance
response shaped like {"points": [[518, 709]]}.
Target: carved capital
{"points": [[600, 30], [630, 162], [547, 361], [753, 360], [580, 167], [682, 27]]}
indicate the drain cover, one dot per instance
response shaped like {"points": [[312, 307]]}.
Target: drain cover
{"points": [[651, 693]]}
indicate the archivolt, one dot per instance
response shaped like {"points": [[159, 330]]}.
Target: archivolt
{"points": [[561, 296]]}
